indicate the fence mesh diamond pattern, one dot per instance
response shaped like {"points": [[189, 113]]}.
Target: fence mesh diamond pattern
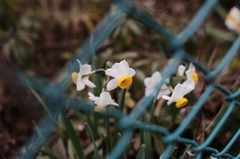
{"points": [[121, 9]]}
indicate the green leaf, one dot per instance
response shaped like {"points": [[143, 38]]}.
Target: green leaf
{"points": [[174, 152], [141, 153], [72, 134], [219, 34], [94, 144], [221, 11], [70, 149], [105, 146], [90, 149], [51, 156], [148, 142], [39, 98], [97, 77], [106, 123], [184, 156]]}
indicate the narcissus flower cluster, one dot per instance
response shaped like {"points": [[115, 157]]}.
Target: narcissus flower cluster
{"points": [[122, 76], [179, 91]]}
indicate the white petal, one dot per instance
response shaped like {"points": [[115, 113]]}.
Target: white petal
{"points": [[177, 93], [105, 96], [111, 72], [149, 92], [230, 24], [106, 99], [188, 85], [131, 72], [178, 88], [156, 76], [191, 67], [159, 95], [124, 63], [85, 69], [170, 102], [91, 96], [166, 92], [149, 82], [163, 92], [80, 85], [122, 70], [165, 97], [112, 84], [80, 64], [97, 100], [80, 72], [88, 82], [190, 72], [117, 71], [113, 103], [235, 12], [181, 69]]}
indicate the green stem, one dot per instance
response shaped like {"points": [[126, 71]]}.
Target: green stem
{"points": [[152, 111], [170, 88], [121, 106], [72, 134], [106, 122], [141, 131], [181, 77], [91, 73], [122, 100]]}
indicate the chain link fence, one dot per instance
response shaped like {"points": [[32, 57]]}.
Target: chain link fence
{"points": [[121, 9]]}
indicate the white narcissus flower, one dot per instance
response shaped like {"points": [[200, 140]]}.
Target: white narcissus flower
{"points": [[122, 75], [151, 82], [102, 101], [192, 77], [81, 81], [178, 94], [233, 20]]}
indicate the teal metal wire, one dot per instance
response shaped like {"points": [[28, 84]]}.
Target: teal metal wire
{"points": [[54, 91]]}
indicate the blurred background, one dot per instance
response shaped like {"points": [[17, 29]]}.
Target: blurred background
{"points": [[40, 37]]}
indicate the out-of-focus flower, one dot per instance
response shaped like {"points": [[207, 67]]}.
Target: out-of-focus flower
{"points": [[190, 73], [82, 78], [102, 101], [151, 82], [233, 20], [178, 94], [122, 75], [192, 77]]}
